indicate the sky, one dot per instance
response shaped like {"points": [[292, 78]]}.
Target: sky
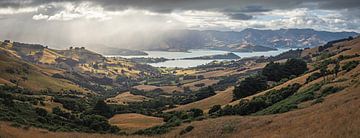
{"points": [[121, 23]]}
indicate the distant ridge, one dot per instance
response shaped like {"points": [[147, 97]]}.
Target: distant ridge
{"points": [[182, 40]]}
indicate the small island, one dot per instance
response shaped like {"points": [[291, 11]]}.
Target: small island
{"points": [[149, 60], [220, 56], [121, 52]]}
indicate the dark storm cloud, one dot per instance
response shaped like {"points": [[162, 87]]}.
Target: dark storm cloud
{"points": [[169, 5], [240, 16], [254, 8]]}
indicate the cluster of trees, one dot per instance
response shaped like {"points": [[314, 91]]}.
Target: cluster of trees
{"points": [[271, 72], [189, 96], [152, 94], [250, 86], [70, 103], [277, 71], [21, 111], [324, 71]]}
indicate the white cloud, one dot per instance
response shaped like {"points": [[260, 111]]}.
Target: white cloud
{"points": [[40, 17], [10, 11]]}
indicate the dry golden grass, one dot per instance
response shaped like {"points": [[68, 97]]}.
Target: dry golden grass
{"points": [[38, 78], [133, 122], [6, 131], [49, 56], [185, 71], [221, 98], [171, 89], [125, 98], [207, 82]]}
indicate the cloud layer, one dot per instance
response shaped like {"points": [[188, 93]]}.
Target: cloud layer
{"points": [[118, 22]]}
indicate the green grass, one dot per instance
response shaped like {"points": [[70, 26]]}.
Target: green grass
{"points": [[291, 102]]}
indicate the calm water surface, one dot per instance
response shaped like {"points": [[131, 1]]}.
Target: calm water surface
{"points": [[195, 53]]}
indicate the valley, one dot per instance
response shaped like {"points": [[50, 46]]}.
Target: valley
{"points": [[81, 93]]}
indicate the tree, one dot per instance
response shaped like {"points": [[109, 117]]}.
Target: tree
{"points": [[214, 109], [323, 72], [40, 111], [336, 69], [196, 112], [273, 72], [278, 71], [101, 108], [250, 86], [204, 93]]}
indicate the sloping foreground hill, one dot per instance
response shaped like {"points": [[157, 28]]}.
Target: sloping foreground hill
{"points": [[337, 116]]}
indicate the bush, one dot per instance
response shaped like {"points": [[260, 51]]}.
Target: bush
{"points": [[291, 102], [313, 76], [70, 104], [330, 90], [214, 109], [196, 112], [350, 65], [246, 107], [200, 85], [318, 100], [41, 111], [186, 130], [204, 93]]}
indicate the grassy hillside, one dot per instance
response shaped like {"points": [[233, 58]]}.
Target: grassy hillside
{"points": [[14, 71]]}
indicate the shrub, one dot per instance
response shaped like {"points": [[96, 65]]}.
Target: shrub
{"points": [[214, 109], [186, 130], [313, 76], [41, 111], [350, 65], [228, 129], [200, 85], [196, 112], [329, 90], [246, 107], [318, 100], [204, 93]]}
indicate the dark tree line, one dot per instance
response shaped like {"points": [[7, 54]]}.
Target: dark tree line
{"points": [[271, 72], [277, 71]]}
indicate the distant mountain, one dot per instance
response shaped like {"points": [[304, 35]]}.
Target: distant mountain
{"points": [[245, 48], [182, 40]]}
